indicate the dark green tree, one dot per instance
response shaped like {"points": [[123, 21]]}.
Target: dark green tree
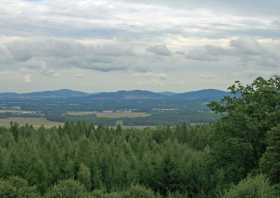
{"points": [[84, 176], [270, 163], [248, 114]]}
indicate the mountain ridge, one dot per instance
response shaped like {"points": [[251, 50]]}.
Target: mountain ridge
{"points": [[204, 94]]}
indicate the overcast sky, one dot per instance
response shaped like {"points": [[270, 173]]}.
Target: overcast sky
{"points": [[104, 45]]}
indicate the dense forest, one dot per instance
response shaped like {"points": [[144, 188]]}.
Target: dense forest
{"points": [[238, 156]]}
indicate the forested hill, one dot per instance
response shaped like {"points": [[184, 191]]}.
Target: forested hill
{"points": [[206, 94], [157, 107]]}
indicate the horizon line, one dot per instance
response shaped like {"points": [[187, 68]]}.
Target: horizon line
{"points": [[109, 91]]}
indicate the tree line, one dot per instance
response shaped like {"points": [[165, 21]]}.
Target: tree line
{"points": [[237, 156]]}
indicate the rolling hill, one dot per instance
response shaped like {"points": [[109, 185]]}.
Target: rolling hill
{"points": [[163, 107]]}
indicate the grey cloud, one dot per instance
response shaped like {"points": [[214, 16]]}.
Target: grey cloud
{"points": [[161, 50], [246, 51], [116, 19], [246, 46], [202, 54], [268, 7], [27, 49], [49, 54]]}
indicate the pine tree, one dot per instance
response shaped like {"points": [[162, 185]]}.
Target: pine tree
{"points": [[84, 176]]}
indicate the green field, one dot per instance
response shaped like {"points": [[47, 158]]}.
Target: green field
{"points": [[36, 122]]}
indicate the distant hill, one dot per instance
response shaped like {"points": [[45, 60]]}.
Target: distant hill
{"points": [[9, 95], [127, 95], [206, 94], [162, 107]]}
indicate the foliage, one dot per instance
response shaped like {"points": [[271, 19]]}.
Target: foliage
{"points": [[66, 189], [15, 187], [270, 163], [249, 114], [165, 160], [252, 187], [139, 192]]}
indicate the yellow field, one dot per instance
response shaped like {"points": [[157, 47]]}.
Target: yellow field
{"points": [[121, 115], [112, 115], [80, 113], [36, 122]]}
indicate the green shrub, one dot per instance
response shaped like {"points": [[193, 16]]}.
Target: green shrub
{"points": [[252, 187], [66, 189], [139, 192], [15, 187]]}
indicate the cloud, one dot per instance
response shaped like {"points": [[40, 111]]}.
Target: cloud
{"points": [[150, 37], [151, 75], [48, 55], [207, 76], [27, 78], [128, 20], [246, 46], [202, 54], [247, 51], [268, 7], [161, 50]]}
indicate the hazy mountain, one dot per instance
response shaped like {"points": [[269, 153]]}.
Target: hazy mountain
{"points": [[127, 95], [9, 95], [207, 94], [168, 93]]}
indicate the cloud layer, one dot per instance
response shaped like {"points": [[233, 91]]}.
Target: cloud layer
{"points": [[159, 44]]}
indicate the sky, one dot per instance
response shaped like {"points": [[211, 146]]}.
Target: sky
{"points": [[159, 45]]}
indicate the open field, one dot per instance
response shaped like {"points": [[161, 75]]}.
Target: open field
{"points": [[16, 111], [36, 122], [111, 115], [80, 113]]}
